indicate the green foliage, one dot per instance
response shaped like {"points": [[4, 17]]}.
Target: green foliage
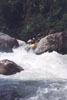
{"points": [[25, 19]]}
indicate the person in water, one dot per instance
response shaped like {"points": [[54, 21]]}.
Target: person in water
{"points": [[31, 41], [30, 44]]}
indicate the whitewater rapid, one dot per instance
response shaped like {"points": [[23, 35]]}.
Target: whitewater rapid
{"points": [[47, 65], [44, 76]]}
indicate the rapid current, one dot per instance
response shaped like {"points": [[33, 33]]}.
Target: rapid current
{"points": [[44, 76]]}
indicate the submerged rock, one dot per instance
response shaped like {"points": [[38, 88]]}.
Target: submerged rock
{"points": [[8, 67], [53, 42], [7, 43]]}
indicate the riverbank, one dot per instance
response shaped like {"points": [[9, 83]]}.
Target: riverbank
{"points": [[25, 20]]}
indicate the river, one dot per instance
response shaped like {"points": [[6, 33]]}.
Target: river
{"points": [[44, 76]]}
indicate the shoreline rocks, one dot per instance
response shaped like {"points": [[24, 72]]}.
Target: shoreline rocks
{"points": [[53, 42], [7, 43], [8, 67]]}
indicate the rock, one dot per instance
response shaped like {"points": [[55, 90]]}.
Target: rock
{"points": [[8, 67], [7, 43], [21, 43], [53, 42]]}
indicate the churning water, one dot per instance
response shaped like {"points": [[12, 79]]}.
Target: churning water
{"points": [[44, 76]]}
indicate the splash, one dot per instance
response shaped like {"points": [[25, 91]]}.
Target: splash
{"points": [[48, 65]]}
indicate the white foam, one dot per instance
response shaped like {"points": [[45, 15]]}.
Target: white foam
{"points": [[48, 65]]}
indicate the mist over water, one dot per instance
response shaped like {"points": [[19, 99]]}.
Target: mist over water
{"points": [[44, 76]]}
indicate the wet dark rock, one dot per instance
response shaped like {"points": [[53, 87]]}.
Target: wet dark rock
{"points": [[7, 43], [53, 42], [8, 67]]}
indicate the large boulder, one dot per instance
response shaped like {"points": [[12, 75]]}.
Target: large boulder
{"points": [[53, 42], [7, 43], [8, 67]]}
